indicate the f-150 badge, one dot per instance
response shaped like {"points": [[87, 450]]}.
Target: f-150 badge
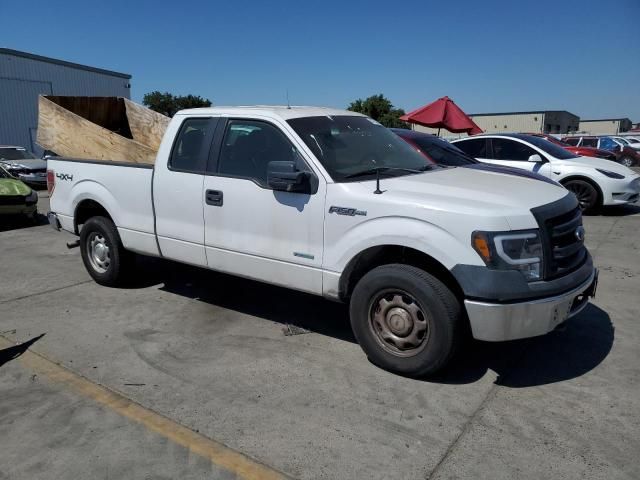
{"points": [[351, 212]]}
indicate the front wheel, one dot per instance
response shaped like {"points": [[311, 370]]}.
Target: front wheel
{"points": [[405, 320], [103, 255], [585, 192], [627, 161]]}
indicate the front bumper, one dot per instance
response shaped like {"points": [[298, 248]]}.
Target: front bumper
{"points": [[495, 322], [28, 210], [623, 192]]}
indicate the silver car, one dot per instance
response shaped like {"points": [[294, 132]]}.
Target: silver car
{"points": [[24, 165]]}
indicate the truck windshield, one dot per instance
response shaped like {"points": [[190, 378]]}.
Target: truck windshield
{"points": [[351, 148]]}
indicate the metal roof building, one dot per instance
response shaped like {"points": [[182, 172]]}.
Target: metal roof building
{"points": [[24, 76], [536, 121], [606, 126], [539, 121]]}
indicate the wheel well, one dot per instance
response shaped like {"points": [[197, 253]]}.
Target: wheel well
{"points": [[87, 209], [374, 257], [589, 181]]}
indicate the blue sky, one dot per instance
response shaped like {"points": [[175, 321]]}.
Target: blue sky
{"points": [[581, 56]]}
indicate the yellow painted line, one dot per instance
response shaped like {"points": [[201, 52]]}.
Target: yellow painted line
{"points": [[220, 455]]}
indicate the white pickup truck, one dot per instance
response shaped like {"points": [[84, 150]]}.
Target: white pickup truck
{"points": [[332, 203]]}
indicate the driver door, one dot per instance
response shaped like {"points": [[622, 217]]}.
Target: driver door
{"points": [[252, 230]]}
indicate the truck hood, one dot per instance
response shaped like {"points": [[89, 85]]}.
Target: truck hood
{"points": [[486, 193], [600, 163], [9, 186]]}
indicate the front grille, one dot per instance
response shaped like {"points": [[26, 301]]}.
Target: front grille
{"points": [[565, 251], [12, 200]]}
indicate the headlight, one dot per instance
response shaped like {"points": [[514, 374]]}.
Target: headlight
{"points": [[515, 250], [610, 174], [32, 198]]}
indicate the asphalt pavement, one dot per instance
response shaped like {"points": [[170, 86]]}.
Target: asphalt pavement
{"points": [[275, 378]]}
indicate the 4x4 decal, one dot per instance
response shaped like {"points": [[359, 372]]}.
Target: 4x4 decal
{"points": [[64, 176]]}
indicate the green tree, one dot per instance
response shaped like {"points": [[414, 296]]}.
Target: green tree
{"points": [[381, 109], [168, 104]]}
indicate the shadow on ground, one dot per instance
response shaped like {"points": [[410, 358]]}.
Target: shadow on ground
{"points": [[11, 353], [620, 210], [14, 222], [581, 345]]}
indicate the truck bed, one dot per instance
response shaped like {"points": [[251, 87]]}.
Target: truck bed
{"points": [[122, 188]]}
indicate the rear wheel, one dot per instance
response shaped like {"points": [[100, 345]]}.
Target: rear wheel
{"points": [[103, 255], [585, 192], [405, 320], [627, 161]]}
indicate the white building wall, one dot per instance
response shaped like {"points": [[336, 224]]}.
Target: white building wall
{"points": [[600, 127], [520, 122], [528, 122]]}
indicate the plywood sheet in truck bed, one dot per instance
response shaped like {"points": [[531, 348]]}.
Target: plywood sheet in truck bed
{"points": [[100, 128]]}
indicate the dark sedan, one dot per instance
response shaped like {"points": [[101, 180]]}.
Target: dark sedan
{"points": [[24, 165]]}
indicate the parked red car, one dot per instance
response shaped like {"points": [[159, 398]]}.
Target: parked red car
{"points": [[582, 150], [625, 155]]}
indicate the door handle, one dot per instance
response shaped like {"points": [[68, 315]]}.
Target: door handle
{"points": [[214, 197]]}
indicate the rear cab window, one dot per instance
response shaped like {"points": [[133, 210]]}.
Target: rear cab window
{"points": [[191, 148]]}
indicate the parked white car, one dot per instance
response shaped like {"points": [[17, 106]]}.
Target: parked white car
{"points": [[594, 181], [332, 203], [628, 141]]}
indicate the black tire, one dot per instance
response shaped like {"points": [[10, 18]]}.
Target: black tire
{"points": [[376, 296], [114, 272], [627, 161], [586, 193]]}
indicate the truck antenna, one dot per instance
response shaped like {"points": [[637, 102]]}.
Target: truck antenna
{"points": [[377, 191], [288, 104]]}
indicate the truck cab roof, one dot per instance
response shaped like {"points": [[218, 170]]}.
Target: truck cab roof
{"points": [[283, 112]]}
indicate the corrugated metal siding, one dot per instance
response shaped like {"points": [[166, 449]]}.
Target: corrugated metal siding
{"points": [[22, 79]]}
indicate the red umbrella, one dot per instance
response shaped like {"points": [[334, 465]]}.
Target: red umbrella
{"points": [[443, 113]]}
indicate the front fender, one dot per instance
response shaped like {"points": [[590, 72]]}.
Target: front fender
{"points": [[399, 231]]}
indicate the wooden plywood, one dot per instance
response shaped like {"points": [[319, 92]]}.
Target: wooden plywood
{"points": [[71, 135], [147, 126]]}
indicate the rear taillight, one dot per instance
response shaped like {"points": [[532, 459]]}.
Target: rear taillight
{"points": [[51, 181]]}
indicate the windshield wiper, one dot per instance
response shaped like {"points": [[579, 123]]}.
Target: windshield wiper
{"points": [[377, 170], [371, 171]]}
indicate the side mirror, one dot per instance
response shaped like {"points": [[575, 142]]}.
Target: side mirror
{"points": [[286, 177], [535, 158]]}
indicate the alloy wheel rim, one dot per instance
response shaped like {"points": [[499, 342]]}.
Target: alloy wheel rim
{"points": [[583, 194], [99, 252], [398, 323]]}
